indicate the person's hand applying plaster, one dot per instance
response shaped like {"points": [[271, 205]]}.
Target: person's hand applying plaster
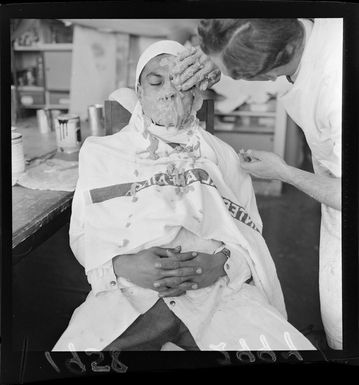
{"points": [[194, 68]]}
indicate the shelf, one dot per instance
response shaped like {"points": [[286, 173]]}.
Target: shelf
{"points": [[247, 113], [30, 88], [254, 131], [58, 90], [44, 47], [48, 106]]}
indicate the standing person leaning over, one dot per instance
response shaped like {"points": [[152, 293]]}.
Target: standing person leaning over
{"points": [[309, 53]]}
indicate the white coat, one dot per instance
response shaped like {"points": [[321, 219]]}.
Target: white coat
{"points": [[314, 102]]}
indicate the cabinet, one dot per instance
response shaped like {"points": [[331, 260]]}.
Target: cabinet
{"points": [[259, 127], [41, 58], [42, 75]]}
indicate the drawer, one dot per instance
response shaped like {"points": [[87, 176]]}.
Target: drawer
{"points": [[59, 98], [29, 98], [255, 141]]}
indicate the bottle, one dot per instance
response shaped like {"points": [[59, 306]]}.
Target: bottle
{"points": [[40, 71], [17, 156]]}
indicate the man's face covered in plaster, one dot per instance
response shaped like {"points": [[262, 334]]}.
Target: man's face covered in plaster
{"points": [[160, 100]]}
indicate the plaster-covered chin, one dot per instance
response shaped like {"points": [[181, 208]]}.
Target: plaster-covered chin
{"points": [[176, 112]]}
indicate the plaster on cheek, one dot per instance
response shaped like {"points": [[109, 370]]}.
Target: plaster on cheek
{"points": [[197, 101], [180, 109]]}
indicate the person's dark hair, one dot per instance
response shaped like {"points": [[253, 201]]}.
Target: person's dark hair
{"points": [[250, 47]]}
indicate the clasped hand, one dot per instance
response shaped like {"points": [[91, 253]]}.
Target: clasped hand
{"points": [[169, 271]]}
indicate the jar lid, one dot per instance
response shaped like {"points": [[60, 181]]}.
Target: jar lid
{"points": [[68, 116], [15, 135]]}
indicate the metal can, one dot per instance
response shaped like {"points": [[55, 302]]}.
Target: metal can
{"points": [[95, 116], [68, 133], [13, 106], [54, 114], [44, 121], [17, 156]]}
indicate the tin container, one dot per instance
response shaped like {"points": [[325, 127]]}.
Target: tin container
{"points": [[54, 114], [95, 116], [44, 121], [17, 156], [13, 106], [68, 133]]}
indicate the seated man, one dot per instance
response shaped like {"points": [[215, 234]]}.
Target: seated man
{"points": [[166, 226]]}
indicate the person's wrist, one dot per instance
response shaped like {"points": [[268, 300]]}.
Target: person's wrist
{"points": [[288, 174], [222, 259], [119, 263]]}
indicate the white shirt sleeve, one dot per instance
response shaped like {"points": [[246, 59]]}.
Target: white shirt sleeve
{"points": [[236, 267], [102, 278], [77, 231]]}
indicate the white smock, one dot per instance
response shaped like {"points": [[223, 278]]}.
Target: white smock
{"points": [[127, 200], [314, 102]]}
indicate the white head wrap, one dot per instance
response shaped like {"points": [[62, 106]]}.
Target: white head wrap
{"points": [[170, 47]]}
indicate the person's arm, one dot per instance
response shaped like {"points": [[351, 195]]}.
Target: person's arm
{"points": [[101, 278], [267, 165], [77, 225], [324, 189]]}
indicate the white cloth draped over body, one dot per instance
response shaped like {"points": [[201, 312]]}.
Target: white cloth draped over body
{"points": [[134, 192]]}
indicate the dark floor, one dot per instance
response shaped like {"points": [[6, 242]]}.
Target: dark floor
{"points": [[49, 283]]}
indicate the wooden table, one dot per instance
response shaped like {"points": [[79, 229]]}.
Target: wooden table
{"points": [[37, 214]]}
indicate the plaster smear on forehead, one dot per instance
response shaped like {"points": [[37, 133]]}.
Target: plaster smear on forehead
{"points": [[169, 61]]}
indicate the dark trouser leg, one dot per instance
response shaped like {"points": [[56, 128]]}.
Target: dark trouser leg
{"points": [[184, 338], [150, 331]]}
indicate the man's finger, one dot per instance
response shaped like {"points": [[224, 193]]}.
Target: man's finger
{"points": [[198, 77], [214, 76], [162, 289], [250, 166], [166, 252], [173, 263], [186, 53], [172, 281], [189, 255], [189, 72], [255, 154], [168, 282], [172, 293], [181, 272], [182, 65], [181, 289]]}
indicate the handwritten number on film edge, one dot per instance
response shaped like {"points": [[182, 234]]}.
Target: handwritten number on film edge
{"points": [[116, 365], [98, 368]]}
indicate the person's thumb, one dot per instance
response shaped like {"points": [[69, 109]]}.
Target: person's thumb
{"points": [[254, 154], [172, 252]]}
